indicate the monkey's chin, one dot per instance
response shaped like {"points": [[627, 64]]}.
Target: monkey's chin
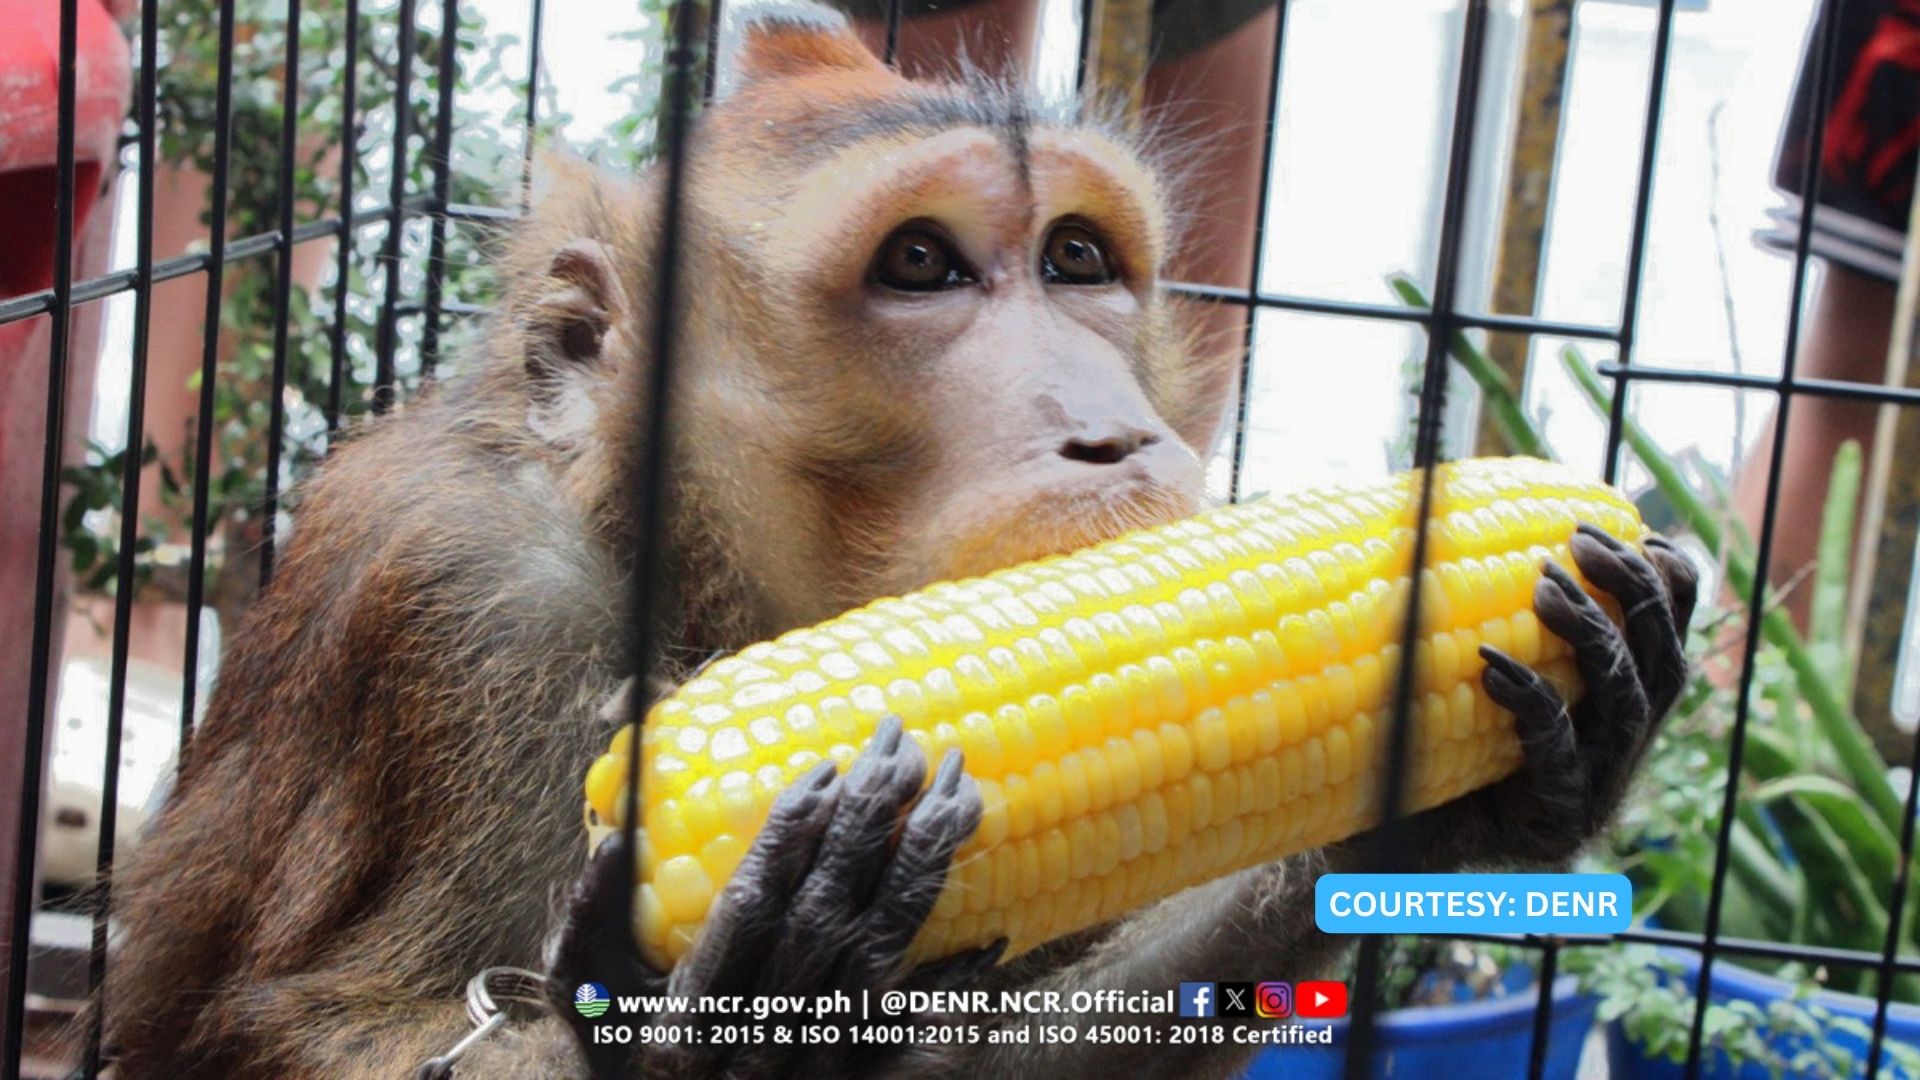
{"points": [[1055, 522]]}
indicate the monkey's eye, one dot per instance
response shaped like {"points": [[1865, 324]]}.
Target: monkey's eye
{"points": [[918, 259], [1075, 255]]}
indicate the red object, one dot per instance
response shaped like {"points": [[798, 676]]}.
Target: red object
{"points": [[1320, 1000], [29, 134], [29, 138]]}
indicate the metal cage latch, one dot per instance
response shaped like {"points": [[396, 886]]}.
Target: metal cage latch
{"points": [[488, 996]]}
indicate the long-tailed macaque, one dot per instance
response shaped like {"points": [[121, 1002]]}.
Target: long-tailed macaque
{"points": [[922, 338]]}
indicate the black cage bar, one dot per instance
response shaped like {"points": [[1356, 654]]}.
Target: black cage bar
{"points": [[348, 219]]}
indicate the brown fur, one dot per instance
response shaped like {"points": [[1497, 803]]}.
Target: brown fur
{"points": [[384, 797]]}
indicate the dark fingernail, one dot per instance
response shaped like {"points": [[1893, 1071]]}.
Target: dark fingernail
{"points": [[1499, 660], [1546, 591], [987, 955], [1655, 540], [1559, 575], [818, 777], [1588, 528], [1585, 549], [946, 781], [886, 738]]}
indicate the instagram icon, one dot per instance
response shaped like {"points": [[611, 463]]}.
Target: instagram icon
{"points": [[1273, 1000]]}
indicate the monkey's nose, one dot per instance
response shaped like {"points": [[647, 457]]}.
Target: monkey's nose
{"points": [[1107, 448]]}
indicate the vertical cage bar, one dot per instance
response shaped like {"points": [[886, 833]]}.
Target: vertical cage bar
{"points": [[343, 252], [282, 290], [123, 583], [645, 581], [1821, 74], [535, 21], [1637, 243], [131, 461], [715, 26], [1896, 912], [893, 32], [1441, 323], [1087, 10], [442, 163], [387, 331], [1243, 409], [1543, 1010], [39, 676], [209, 370]]}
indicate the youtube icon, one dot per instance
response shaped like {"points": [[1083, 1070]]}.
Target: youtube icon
{"points": [[1319, 1000]]}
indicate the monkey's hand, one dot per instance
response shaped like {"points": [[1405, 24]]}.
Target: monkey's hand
{"points": [[1578, 761], [840, 879]]}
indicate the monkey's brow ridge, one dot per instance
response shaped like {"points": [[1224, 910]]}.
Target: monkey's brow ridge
{"points": [[1006, 113]]}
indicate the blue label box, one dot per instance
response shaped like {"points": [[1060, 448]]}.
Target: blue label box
{"points": [[1198, 1000], [1490, 903]]}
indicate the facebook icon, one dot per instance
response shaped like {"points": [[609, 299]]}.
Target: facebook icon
{"points": [[1197, 1000]]}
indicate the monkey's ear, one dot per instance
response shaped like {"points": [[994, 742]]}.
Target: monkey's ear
{"points": [[572, 316], [571, 330], [781, 40]]}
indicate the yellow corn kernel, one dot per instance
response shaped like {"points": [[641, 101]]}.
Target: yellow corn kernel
{"points": [[1141, 716]]}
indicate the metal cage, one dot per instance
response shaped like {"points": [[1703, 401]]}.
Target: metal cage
{"points": [[1441, 322]]}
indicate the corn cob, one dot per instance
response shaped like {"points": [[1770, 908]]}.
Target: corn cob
{"points": [[1141, 716]]}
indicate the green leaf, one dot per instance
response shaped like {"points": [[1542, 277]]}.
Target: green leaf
{"points": [[1827, 627], [1496, 390], [1871, 845], [85, 550]]}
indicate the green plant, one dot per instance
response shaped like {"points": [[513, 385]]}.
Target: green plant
{"points": [[1813, 853], [1646, 991], [485, 168]]}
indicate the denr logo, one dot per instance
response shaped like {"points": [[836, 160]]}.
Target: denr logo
{"points": [[1197, 1000], [592, 1000]]}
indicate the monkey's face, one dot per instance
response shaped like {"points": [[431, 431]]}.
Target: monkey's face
{"points": [[944, 322], [996, 302]]}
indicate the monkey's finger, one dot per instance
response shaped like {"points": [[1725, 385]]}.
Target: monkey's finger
{"points": [[1540, 718], [824, 920], [1683, 580], [944, 818], [1652, 637], [1682, 589], [596, 925], [961, 970], [745, 918], [1614, 717], [1546, 801], [596, 945]]}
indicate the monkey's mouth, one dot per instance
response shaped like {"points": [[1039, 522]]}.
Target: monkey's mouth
{"points": [[1028, 522]]}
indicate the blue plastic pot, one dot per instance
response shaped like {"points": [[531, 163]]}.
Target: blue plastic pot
{"points": [[1482, 1039], [1730, 982]]}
